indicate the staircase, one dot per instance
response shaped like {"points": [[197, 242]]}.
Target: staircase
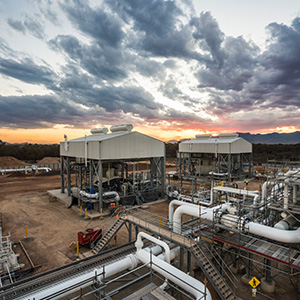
{"points": [[108, 236], [216, 279]]}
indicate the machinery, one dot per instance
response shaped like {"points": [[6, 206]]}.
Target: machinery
{"points": [[90, 236]]}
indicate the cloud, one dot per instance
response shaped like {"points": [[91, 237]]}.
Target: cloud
{"points": [[103, 62], [27, 71], [132, 60], [36, 111], [98, 23], [29, 25], [16, 25]]}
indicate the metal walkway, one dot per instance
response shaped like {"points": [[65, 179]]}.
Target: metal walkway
{"points": [[156, 227]]}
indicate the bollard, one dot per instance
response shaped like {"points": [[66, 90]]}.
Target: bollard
{"points": [[100, 212], [77, 248], [26, 232], [85, 213], [81, 210], [160, 222]]}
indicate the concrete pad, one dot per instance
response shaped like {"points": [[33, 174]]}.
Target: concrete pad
{"points": [[61, 197], [245, 279], [267, 287]]}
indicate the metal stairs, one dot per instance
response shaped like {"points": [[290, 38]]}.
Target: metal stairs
{"points": [[108, 236], [211, 272]]}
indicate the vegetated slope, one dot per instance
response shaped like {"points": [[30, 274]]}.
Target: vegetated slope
{"points": [[272, 138], [9, 161]]}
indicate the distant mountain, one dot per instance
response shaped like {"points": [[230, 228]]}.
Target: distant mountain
{"points": [[272, 138], [172, 142]]}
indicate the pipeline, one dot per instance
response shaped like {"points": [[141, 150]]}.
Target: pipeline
{"points": [[130, 262], [234, 221], [96, 195]]}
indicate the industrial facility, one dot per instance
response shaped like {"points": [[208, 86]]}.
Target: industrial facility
{"points": [[227, 156], [212, 241], [121, 167]]}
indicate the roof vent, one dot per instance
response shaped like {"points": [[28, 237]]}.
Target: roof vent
{"points": [[203, 136], [228, 135], [121, 128], [99, 131]]}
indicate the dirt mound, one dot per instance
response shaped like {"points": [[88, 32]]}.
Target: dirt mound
{"points": [[48, 161], [9, 161]]}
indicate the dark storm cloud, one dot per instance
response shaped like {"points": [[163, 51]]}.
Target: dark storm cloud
{"points": [[232, 60], [250, 80], [103, 62], [27, 71], [36, 111], [129, 99], [98, 23], [158, 29], [129, 40]]}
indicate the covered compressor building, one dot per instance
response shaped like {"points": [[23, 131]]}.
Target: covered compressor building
{"points": [[104, 169], [228, 156]]}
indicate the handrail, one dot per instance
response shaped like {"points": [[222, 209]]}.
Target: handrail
{"points": [[214, 268], [221, 264], [107, 223]]}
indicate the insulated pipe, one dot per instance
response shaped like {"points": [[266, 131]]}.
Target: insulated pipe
{"points": [[287, 223], [279, 235], [179, 203], [112, 193], [139, 244], [96, 195], [175, 275], [295, 187], [195, 211], [286, 194], [128, 262], [284, 236]]}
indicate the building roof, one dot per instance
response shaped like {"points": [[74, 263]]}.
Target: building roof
{"points": [[213, 140], [119, 145], [226, 144]]}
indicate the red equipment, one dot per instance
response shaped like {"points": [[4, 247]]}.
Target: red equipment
{"points": [[90, 236]]}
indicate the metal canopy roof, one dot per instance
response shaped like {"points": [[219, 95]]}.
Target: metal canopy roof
{"points": [[224, 145], [115, 146]]}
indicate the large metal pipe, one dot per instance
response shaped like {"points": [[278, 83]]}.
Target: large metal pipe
{"points": [[234, 221], [72, 284], [286, 194], [185, 281], [139, 244], [287, 223], [193, 210]]}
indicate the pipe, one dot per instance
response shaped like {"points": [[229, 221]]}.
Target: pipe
{"points": [[286, 194], [287, 223], [139, 244], [295, 188], [128, 262], [233, 221], [279, 235], [175, 275], [193, 210], [112, 193], [171, 208], [96, 195]]}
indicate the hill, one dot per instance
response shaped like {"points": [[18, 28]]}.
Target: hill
{"points": [[272, 138]]}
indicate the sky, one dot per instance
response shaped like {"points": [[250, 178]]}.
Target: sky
{"points": [[173, 69]]}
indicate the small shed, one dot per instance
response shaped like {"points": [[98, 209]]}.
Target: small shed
{"points": [[227, 154], [120, 164]]}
